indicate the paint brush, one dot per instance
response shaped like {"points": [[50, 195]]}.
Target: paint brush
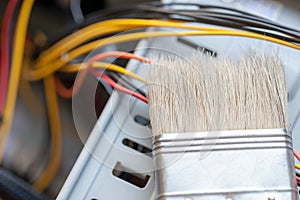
{"points": [[220, 127]]}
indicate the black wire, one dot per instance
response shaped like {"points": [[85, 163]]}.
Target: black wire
{"points": [[298, 183], [124, 12], [250, 29], [281, 37], [254, 20], [201, 6], [227, 20], [288, 39], [246, 14], [154, 10], [254, 30], [125, 83]]}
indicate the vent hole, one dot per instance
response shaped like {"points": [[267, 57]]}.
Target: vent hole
{"points": [[142, 120], [138, 147], [129, 176]]}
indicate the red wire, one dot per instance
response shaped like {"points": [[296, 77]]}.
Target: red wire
{"points": [[119, 87], [5, 49], [298, 179], [69, 92]]}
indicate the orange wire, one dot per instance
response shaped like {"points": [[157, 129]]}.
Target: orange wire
{"points": [[69, 92], [62, 90], [296, 154]]}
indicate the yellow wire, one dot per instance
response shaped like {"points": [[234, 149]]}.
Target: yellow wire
{"points": [[297, 166], [42, 71], [17, 56], [71, 68], [55, 154], [66, 44], [106, 27]]}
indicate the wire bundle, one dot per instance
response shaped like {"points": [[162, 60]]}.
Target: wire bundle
{"points": [[51, 60], [68, 93], [226, 17], [95, 34]]}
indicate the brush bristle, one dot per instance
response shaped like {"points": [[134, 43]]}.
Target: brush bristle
{"points": [[202, 93]]}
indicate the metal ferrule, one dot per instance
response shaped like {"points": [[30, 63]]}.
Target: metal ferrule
{"points": [[225, 165]]}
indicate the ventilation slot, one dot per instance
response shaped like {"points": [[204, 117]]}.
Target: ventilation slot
{"points": [[129, 176], [142, 120], [138, 147]]}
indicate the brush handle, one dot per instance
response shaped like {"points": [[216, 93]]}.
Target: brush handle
{"points": [[227, 165]]}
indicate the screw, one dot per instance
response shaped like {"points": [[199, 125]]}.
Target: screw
{"points": [[271, 198]]}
